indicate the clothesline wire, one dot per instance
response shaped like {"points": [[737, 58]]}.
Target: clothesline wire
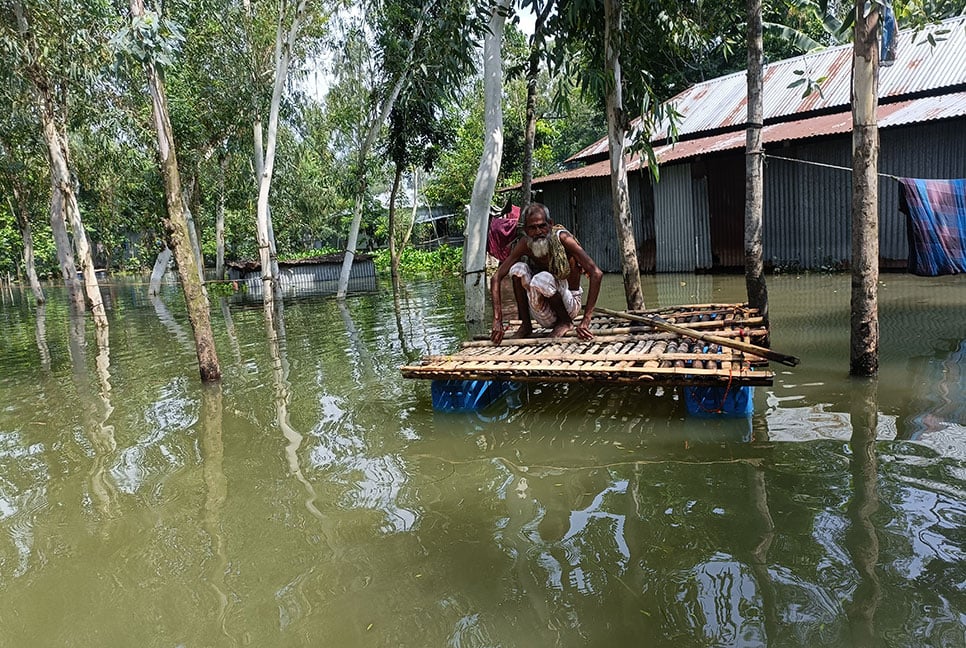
{"points": [[822, 164]]}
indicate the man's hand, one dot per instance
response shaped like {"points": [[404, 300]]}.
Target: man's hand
{"points": [[583, 329], [496, 334]]}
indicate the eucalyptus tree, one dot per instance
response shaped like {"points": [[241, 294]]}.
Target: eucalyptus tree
{"points": [[434, 37], [668, 45], [292, 20], [578, 23], [211, 107], [617, 127], [58, 50], [568, 125], [864, 345], [20, 162], [538, 48], [15, 179], [418, 132], [152, 40], [474, 253]]}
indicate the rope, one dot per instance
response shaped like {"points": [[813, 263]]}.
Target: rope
{"points": [[707, 392], [827, 166]]}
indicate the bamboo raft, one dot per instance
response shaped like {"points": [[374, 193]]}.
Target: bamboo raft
{"points": [[624, 351]]}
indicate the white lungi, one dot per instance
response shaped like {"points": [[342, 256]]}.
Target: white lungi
{"points": [[540, 288]]}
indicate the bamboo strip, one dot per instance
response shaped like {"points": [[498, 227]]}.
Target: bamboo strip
{"points": [[635, 356], [612, 378], [624, 331], [548, 371]]}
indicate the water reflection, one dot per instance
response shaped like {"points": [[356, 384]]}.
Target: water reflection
{"points": [[212, 447], [274, 327], [96, 410], [41, 327], [324, 502], [173, 325], [230, 329], [861, 539]]}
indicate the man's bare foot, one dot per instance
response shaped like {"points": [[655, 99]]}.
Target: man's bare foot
{"points": [[520, 333], [561, 329]]}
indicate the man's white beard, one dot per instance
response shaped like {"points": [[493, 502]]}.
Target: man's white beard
{"points": [[540, 247]]}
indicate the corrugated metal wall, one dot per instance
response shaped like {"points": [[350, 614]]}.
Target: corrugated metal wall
{"points": [[807, 213], [807, 208], [702, 221], [557, 198], [642, 213], [674, 219], [594, 224], [584, 207]]}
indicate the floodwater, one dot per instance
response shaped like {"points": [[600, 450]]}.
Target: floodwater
{"points": [[314, 498]]}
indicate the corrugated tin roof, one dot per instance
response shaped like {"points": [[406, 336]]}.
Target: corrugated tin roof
{"points": [[721, 103], [901, 113]]}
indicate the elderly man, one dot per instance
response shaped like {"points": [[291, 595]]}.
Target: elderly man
{"points": [[546, 265]]}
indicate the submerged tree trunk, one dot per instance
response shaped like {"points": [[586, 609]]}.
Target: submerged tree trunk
{"points": [[474, 250], [65, 255], [754, 179], [220, 220], [616, 131], [397, 243], [864, 347], [258, 135], [160, 265], [195, 295], [393, 249], [284, 42], [64, 200], [26, 234]]}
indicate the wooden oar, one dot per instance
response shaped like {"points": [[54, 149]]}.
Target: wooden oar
{"points": [[660, 323]]}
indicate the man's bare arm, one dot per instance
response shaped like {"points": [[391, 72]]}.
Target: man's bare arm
{"points": [[496, 291], [594, 274]]}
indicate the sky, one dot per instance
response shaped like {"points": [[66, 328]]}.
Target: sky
{"points": [[319, 79], [527, 18]]}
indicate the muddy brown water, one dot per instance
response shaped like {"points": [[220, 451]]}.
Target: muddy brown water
{"points": [[314, 498]]}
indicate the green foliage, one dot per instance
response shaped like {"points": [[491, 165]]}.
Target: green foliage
{"points": [[149, 38], [225, 288], [562, 130], [444, 260], [10, 243]]}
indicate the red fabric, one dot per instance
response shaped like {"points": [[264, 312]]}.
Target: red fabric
{"points": [[502, 234]]}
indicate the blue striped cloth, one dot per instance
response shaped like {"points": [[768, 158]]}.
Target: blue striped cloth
{"points": [[936, 211]]}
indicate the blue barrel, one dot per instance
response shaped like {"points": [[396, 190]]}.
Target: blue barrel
{"points": [[466, 395], [713, 402]]}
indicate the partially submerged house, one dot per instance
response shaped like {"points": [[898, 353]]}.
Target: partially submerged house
{"points": [[313, 276], [692, 219]]}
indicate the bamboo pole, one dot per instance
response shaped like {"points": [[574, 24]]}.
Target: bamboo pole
{"points": [[660, 323]]}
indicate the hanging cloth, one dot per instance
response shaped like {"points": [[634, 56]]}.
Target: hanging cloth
{"points": [[936, 211]]}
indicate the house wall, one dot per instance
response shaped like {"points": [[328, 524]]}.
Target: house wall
{"points": [[806, 219], [807, 212], [680, 219], [807, 208], [583, 206]]}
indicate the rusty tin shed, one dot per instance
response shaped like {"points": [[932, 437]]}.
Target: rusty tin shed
{"points": [[692, 218]]}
